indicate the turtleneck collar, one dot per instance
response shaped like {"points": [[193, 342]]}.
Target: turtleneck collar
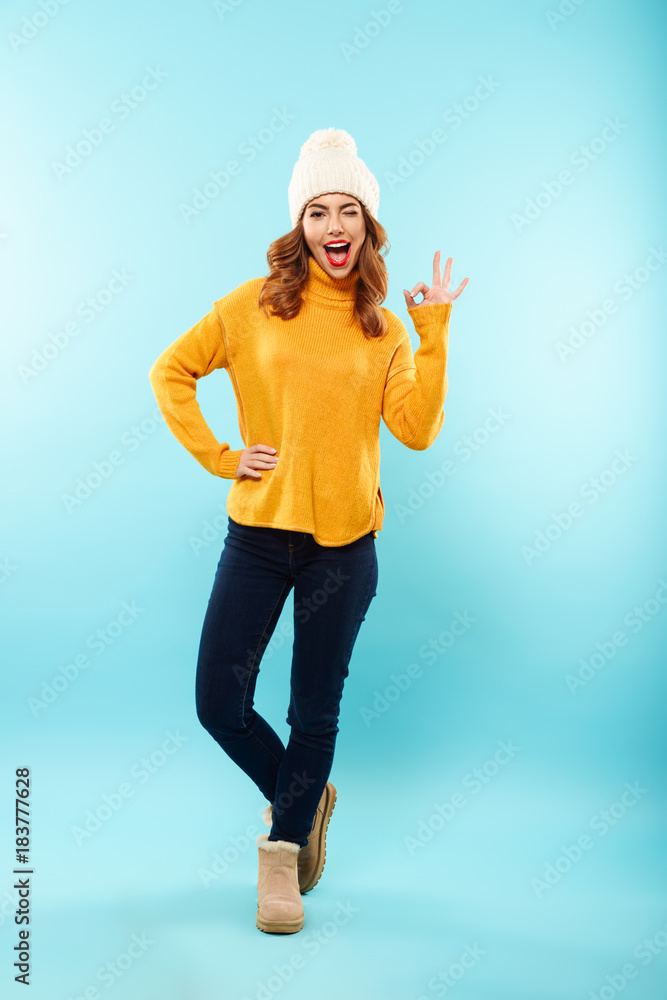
{"points": [[336, 292]]}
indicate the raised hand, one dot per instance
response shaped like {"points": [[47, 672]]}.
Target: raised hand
{"points": [[439, 290]]}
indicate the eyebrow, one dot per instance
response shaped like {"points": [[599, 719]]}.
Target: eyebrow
{"points": [[348, 204]]}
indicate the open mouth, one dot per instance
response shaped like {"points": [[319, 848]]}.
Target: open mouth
{"points": [[338, 252]]}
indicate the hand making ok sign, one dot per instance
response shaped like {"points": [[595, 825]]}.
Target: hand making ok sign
{"points": [[439, 290]]}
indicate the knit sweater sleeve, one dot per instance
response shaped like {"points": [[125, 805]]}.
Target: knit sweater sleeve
{"points": [[416, 386], [197, 352]]}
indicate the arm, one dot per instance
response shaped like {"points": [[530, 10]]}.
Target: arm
{"points": [[416, 387], [174, 380]]}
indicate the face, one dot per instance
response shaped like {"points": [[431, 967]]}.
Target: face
{"points": [[334, 218]]}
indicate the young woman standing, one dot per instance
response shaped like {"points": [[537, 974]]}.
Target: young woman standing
{"points": [[315, 361]]}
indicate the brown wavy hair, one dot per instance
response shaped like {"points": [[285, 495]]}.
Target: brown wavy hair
{"points": [[287, 258]]}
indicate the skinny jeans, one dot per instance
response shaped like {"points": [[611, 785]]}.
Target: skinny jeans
{"points": [[333, 588]]}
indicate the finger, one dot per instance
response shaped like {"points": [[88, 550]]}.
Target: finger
{"points": [[419, 287], [458, 291], [447, 275], [262, 448], [436, 268], [409, 301], [250, 470]]}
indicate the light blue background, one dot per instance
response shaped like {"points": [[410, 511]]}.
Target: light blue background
{"points": [[460, 549]]}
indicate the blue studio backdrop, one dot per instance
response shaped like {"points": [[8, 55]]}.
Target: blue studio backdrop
{"points": [[500, 826]]}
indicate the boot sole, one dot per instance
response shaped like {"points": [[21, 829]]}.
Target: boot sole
{"points": [[330, 805], [279, 926]]}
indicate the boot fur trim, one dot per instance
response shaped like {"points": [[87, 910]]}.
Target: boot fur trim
{"points": [[265, 844], [267, 815]]}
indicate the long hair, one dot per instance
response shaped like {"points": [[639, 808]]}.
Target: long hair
{"points": [[287, 258]]}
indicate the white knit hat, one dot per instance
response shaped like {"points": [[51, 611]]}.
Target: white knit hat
{"points": [[328, 162]]}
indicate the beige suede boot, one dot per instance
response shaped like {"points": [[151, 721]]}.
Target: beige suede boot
{"points": [[279, 905], [312, 855]]}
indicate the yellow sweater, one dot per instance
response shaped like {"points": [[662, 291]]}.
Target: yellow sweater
{"points": [[314, 388]]}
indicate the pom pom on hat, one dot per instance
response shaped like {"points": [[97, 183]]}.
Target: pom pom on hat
{"points": [[325, 138], [328, 162]]}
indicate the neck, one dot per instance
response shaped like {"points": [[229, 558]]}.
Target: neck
{"points": [[338, 292]]}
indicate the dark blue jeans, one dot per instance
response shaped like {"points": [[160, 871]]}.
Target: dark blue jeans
{"points": [[333, 589]]}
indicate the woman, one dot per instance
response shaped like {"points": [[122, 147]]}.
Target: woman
{"points": [[315, 361]]}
